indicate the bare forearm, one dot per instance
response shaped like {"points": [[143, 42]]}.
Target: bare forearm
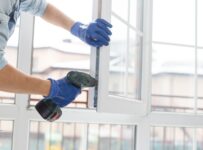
{"points": [[12, 80], [56, 17]]}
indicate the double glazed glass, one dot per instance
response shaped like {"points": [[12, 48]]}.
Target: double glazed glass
{"points": [[200, 80], [167, 25], [176, 138], [56, 51], [79, 136], [200, 55], [174, 61], [125, 49], [199, 23], [173, 138], [173, 78], [6, 135]]}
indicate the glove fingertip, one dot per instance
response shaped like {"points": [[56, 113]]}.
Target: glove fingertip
{"points": [[105, 29], [104, 22]]}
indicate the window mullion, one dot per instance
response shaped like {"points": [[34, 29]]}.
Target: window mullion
{"points": [[147, 53], [21, 123], [127, 54], [196, 61]]}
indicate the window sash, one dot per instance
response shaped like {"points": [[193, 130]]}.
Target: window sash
{"points": [[106, 102]]}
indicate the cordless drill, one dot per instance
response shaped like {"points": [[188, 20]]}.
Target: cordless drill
{"points": [[51, 111]]}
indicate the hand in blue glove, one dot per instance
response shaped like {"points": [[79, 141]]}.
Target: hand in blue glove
{"points": [[62, 92], [95, 34]]}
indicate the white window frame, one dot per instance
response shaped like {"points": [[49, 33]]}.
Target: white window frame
{"points": [[169, 119]]}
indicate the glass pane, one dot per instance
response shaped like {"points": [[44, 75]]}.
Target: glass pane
{"points": [[173, 78], [63, 51], [125, 58], [68, 135], [199, 137], [6, 135], [56, 136], [171, 138], [116, 141], [76, 136], [200, 80], [131, 12], [173, 21], [120, 8], [118, 49], [93, 137], [133, 71], [11, 56], [104, 137], [128, 137], [200, 23], [134, 12]]}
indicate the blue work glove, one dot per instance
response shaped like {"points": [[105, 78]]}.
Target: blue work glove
{"points": [[95, 34], [62, 92]]}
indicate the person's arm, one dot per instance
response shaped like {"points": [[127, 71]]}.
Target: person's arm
{"points": [[95, 34], [12, 80], [56, 17]]}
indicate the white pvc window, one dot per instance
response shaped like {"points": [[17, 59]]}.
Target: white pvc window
{"points": [[79, 136], [176, 75], [177, 56], [121, 73], [23, 115]]}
